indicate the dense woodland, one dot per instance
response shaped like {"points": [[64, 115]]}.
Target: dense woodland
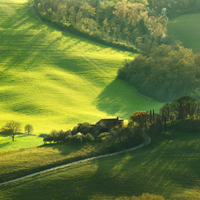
{"points": [[164, 70], [110, 21], [166, 73], [116, 21]]}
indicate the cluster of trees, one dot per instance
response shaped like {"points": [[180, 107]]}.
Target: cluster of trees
{"points": [[182, 114], [165, 70], [184, 110], [150, 123], [68, 137], [119, 22], [120, 137], [13, 128], [165, 73], [181, 108], [115, 21]]}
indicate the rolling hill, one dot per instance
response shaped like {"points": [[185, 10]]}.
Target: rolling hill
{"points": [[21, 141], [166, 170], [54, 80], [186, 28]]}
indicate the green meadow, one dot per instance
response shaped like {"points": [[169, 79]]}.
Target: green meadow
{"points": [[17, 163], [54, 80], [168, 169], [21, 141], [186, 28]]}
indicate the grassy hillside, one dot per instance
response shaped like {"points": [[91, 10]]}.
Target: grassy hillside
{"points": [[168, 169], [24, 161], [187, 29], [54, 80], [21, 141]]}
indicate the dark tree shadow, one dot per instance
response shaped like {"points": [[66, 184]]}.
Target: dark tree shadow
{"points": [[4, 144], [120, 98]]}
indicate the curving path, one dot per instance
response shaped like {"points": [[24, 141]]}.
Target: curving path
{"points": [[146, 142]]}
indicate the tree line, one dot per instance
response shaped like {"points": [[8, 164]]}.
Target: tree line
{"points": [[115, 22], [165, 72], [182, 114], [118, 138]]}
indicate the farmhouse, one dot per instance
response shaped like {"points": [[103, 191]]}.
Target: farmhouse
{"points": [[109, 123]]}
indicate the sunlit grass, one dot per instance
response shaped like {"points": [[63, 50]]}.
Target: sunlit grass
{"points": [[187, 29], [54, 80], [168, 169], [20, 141], [24, 161]]}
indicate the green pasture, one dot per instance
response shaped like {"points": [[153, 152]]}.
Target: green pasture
{"points": [[186, 28], [167, 169], [21, 141], [20, 162], [54, 80]]}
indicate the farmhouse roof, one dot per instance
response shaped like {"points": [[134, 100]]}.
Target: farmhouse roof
{"points": [[109, 122]]}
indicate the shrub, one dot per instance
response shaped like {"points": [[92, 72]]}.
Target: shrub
{"points": [[43, 135], [84, 128], [68, 139], [155, 129], [78, 138], [74, 130], [104, 136], [88, 138], [49, 138], [68, 132]]}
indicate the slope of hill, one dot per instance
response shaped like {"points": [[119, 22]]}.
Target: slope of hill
{"points": [[21, 141], [168, 169], [187, 29], [54, 80]]}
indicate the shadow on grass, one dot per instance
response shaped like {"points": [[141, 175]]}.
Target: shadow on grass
{"points": [[24, 46], [64, 149], [120, 98], [163, 169], [95, 180], [114, 100], [3, 135], [4, 144]]}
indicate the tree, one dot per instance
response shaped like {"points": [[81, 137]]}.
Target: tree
{"points": [[12, 128], [48, 138], [28, 128], [166, 110], [184, 106], [140, 117]]}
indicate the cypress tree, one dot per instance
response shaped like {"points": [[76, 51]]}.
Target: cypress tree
{"points": [[150, 117], [153, 116]]}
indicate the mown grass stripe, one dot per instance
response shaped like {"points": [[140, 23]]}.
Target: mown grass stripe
{"points": [[54, 80]]}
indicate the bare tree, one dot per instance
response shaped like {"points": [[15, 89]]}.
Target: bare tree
{"points": [[28, 128]]}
